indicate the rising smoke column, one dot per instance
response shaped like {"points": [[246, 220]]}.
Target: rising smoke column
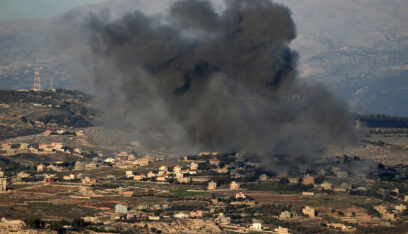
{"points": [[205, 79]]}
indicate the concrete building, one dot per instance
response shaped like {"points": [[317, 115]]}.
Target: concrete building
{"points": [[131, 157], [22, 175], [176, 169], [222, 170], [70, 177], [143, 161], [40, 168], [196, 214], [285, 215], [308, 193], [293, 180], [389, 216], [90, 219], [151, 174], [88, 181], [234, 185], [192, 172], [309, 211], [121, 209], [163, 169], [129, 174], [193, 166], [240, 195], [24, 146], [3, 184], [77, 150], [181, 215], [80, 133], [79, 165], [90, 166], [400, 208], [185, 180], [54, 168], [139, 177], [215, 162], [256, 224], [162, 178], [280, 230], [308, 180], [212, 185], [326, 186], [154, 218], [395, 191], [110, 160], [341, 227], [57, 146], [6, 146]]}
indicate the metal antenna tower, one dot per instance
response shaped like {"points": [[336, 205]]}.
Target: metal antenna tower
{"points": [[37, 82], [52, 83]]}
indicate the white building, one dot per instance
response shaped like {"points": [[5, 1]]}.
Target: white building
{"points": [[110, 160], [40, 168], [3, 184], [309, 211], [326, 186], [256, 225], [212, 185], [121, 208], [234, 185], [163, 169], [400, 208], [193, 166], [129, 174], [240, 195], [176, 169], [181, 215]]}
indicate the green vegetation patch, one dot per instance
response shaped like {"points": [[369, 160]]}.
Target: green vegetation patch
{"points": [[185, 193]]}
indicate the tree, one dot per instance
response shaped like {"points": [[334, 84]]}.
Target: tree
{"points": [[35, 223]]}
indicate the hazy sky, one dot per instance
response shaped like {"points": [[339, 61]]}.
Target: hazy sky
{"points": [[32, 9]]}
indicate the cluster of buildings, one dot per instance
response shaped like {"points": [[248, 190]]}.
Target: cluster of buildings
{"points": [[232, 186], [389, 214], [192, 171], [164, 173], [41, 148]]}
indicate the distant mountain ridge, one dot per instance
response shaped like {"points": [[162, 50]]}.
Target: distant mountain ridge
{"points": [[358, 48]]}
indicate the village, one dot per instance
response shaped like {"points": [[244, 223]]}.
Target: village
{"points": [[65, 175], [212, 192]]}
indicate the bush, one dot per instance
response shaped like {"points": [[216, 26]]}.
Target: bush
{"points": [[35, 223]]}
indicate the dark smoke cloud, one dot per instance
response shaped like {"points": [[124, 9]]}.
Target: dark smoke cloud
{"points": [[201, 79]]}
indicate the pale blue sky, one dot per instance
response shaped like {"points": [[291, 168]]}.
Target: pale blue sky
{"points": [[35, 9]]}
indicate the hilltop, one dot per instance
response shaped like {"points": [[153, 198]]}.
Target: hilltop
{"points": [[358, 48], [31, 112]]}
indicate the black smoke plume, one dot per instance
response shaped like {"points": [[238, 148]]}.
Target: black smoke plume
{"points": [[205, 79]]}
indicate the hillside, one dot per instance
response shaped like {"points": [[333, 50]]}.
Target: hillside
{"points": [[32, 112], [357, 48]]}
